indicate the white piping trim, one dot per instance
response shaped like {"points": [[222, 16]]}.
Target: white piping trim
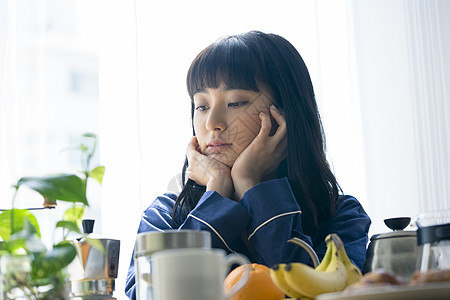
{"points": [[212, 228], [271, 219]]}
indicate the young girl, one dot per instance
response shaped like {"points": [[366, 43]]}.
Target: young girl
{"points": [[256, 169]]}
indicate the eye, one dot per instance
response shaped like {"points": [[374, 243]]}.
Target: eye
{"points": [[237, 103], [201, 108]]}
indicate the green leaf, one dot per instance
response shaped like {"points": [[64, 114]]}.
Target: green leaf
{"points": [[16, 246], [3, 248], [97, 173], [69, 225], [50, 262], [74, 214], [21, 216], [25, 240], [27, 230], [65, 187]]}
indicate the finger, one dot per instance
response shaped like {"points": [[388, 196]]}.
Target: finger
{"points": [[194, 157], [265, 125], [192, 148], [277, 115], [279, 118]]}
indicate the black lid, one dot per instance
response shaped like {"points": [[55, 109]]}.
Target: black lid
{"points": [[431, 234], [88, 225], [397, 223]]}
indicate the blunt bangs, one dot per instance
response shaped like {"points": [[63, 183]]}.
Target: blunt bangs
{"points": [[229, 62]]}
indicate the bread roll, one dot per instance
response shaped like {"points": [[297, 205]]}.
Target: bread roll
{"points": [[430, 276]]}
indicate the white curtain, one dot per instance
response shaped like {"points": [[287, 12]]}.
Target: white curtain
{"points": [[429, 47], [402, 56], [48, 96]]}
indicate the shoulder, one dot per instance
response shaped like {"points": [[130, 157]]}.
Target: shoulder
{"points": [[158, 215], [162, 207], [350, 217], [350, 221], [348, 204], [162, 204]]}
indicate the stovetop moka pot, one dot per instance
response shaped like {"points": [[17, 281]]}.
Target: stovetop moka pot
{"points": [[394, 251], [97, 266]]}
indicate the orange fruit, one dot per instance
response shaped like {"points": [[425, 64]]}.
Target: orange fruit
{"points": [[258, 287]]}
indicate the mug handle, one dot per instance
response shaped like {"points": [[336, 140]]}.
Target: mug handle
{"points": [[232, 259]]}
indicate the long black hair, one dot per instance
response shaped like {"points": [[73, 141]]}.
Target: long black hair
{"points": [[254, 60]]}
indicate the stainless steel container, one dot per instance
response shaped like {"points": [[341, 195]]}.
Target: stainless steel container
{"points": [[394, 251], [148, 243], [99, 263]]}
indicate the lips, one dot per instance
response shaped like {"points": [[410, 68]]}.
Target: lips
{"points": [[215, 146]]}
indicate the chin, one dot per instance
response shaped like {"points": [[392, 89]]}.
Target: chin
{"points": [[224, 160]]}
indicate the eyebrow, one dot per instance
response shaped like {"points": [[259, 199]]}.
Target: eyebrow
{"points": [[224, 89]]}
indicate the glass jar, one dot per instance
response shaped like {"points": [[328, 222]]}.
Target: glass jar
{"points": [[15, 277], [433, 237]]}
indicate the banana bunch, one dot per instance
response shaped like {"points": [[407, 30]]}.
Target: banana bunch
{"points": [[333, 274]]}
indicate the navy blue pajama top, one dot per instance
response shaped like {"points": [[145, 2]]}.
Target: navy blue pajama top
{"points": [[267, 216]]}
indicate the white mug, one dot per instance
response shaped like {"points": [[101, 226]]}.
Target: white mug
{"points": [[194, 274]]}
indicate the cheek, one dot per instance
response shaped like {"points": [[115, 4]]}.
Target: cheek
{"points": [[254, 124], [247, 131], [253, 131], [199, 129]]}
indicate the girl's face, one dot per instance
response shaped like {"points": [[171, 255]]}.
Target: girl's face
{"points": [[227, 120]]}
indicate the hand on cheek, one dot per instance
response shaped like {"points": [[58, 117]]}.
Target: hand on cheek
{"points": [[263, 155], [208, 171]]}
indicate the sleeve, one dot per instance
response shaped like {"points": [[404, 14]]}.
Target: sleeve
{"points": [[276, 218], [226, 219]]}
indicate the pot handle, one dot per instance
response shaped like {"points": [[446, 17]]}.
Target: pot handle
{"points": [[308, 248]]}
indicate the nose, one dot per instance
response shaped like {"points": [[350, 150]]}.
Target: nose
{"points": [[216, 120]]}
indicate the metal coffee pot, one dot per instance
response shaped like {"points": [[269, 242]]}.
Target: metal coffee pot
{"points": [[97, 267], [395, 251]]}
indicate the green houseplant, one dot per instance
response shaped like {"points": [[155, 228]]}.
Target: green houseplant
{"points": [[29, 268]]}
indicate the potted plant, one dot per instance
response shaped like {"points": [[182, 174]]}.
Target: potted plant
{"points": [[30, 270]]}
